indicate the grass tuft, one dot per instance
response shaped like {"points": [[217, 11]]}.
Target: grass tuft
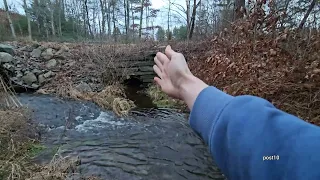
{"points": [[162, 100]]}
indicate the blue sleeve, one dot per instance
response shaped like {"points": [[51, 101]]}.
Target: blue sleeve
{"points": [[251, 139]]}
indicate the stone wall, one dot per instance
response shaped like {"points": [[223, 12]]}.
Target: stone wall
{"points": [[31, 66], [139, 66]]}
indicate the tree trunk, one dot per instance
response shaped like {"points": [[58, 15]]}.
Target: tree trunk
{"points": [[188, 16], [128, 16], [313, 3], [103, 16], [132, 15], [168, 29], [60, 8], [109, 20], [52, 21], [10, 20], [114, 24], [28, 20], [239, 5], [87, 14], [193, 18], [125, 15], [141, 17]]}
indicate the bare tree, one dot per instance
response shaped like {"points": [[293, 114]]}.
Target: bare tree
{"points": [[193, 18], [9, 19], [28, 19], [239, 7], [141, 17], [87, 17], [103, 4], [313, 3], [60, 8], [52, 8]]}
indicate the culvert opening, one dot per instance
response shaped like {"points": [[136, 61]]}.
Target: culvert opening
{"points": [[136, 91]]}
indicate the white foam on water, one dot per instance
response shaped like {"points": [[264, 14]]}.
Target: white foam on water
{"points": [[103, 120], [78, 118]]}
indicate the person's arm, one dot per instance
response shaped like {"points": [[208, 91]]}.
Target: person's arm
{"points": [[245, 132]]}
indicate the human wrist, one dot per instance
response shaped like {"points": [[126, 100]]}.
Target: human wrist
{"points": [[189, 88]]}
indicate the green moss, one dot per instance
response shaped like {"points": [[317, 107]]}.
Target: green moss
{"points": [[34, 149], [161, 100]]}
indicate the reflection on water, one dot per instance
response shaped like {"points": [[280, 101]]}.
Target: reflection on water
{"points": [[149, 144]]}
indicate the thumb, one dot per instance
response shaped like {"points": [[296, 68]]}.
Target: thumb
{"points": [[169, 52]]}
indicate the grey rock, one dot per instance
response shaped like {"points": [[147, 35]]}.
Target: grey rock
{"points": [[8, 67], [72, 63], [47, 54], [41, 79], [51, 64], [18, 60], [26, 48], [48, 74], [35, 44], [14, 79], [64, 48], [84, 87], [19, 74], [35, 86], [18, 69], [36, 71], [5, 57], [36, 53], [7, 49], [29, 78]]}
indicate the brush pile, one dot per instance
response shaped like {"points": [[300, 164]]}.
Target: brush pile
{"points": [[250, 58]]}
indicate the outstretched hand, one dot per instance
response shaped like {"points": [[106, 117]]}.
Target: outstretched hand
{"points": [[172, 70], [175, 77]]}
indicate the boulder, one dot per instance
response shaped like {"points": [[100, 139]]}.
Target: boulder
{"points": [[19, 74], [29, 78], [41, 79], [51, 64], [84, 87], [26, 48], [36, 53], [48, 74], [7, 49], [36, 71], [8, 67], [47, 54], [35, 86], [64, 48], [5, 57]]}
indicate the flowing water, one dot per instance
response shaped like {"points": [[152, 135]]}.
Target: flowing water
{"points": [[149, 144]]}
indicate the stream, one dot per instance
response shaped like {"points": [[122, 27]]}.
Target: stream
{"points": [[149, 144]]}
